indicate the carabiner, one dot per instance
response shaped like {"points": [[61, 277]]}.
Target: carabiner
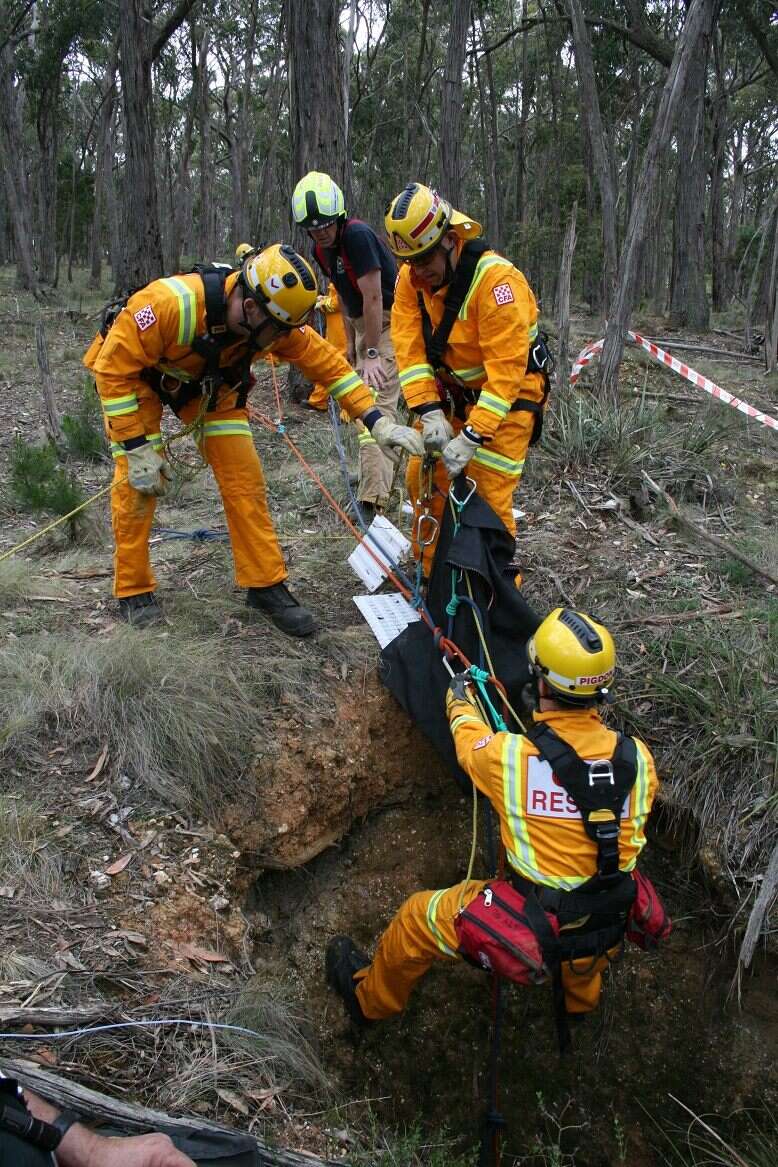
{"points": [[461, 504]]}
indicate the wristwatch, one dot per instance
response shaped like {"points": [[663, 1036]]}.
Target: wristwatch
{"points": [[371, 354]]}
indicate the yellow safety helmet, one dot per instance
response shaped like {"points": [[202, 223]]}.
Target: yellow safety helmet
{"points": [[317, 201], [418, 218], [282, 282], [574, 655], [243, 251]]}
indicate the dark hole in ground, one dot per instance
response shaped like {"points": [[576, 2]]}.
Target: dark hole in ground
{"points": [[665, 1027]]}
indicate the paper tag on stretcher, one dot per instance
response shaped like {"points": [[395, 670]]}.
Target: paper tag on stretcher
{"points": [[385, 542], [387, 615]]}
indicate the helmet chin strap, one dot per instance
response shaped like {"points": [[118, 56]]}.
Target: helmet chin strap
{"points": [[448, 274], [253, 331]]}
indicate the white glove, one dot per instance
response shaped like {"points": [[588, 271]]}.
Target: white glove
{"points": [[148, 471], [388, 434], [436, 430], [458, 453]]}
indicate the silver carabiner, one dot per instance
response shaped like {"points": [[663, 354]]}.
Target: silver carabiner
{"points": [[461, 504], [426, 518]]}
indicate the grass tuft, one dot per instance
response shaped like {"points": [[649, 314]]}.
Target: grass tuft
{"points": [[179, 716]]}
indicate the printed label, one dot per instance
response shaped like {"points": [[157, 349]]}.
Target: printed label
{"points": [[484, 741], [145, 318], [547, 798], [503, 294]]}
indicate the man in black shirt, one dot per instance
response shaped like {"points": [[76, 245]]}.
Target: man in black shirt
{"points": [[363, 270]]}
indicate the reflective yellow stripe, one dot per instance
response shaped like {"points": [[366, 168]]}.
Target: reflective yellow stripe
{"points": [[367, 439], [642, 805], [461, 719], [522, 855], [117, 406], [220, 429], [187, 309], [499, 463], [173, 371], [492, 403], [416, 373], [432, 912], [118, 450], [481, 269], [344, 385], [470, 374], [533, 332]]}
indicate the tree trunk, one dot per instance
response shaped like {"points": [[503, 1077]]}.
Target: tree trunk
{"points": [[451, 103], [47, 120], [689, 306], [52, 421], [598, 141], [141, 231], [205, 233], [491, 148], [698, 17], [103, 170], [563, 299], [14, 175], [316, 121]]}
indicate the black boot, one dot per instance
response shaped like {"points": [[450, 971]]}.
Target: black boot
{"points": [[140, 610], [284, 610], [368, 510], [343, 959]]}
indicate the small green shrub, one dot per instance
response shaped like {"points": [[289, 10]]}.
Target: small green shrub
{"points": [[83, 429], [38, 481]]}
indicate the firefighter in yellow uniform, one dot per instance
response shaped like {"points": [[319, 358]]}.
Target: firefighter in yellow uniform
{"points": [[478, 405], [335, 332], [573, 659], [157, 351]]}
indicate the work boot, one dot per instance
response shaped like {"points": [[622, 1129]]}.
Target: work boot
{"points": [[343, 959], [284, 610], [140, 610]]}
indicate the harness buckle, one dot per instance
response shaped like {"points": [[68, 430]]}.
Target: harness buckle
{"points": [[601, 771]]}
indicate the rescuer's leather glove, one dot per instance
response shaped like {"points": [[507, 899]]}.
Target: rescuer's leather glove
{"points": [[459, 451], [390, 435], [459, 688], [436, 429], [148, 472]]}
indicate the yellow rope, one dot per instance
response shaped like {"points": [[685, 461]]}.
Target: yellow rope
{"points": [[62, 519], [182, 433]]}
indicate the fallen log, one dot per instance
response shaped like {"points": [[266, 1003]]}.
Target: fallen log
{"points": [[100, 1108], [722, 545]]}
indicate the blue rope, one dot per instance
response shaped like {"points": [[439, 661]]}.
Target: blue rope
{"points": [[334, 414], [201, 535], [480, 676]]}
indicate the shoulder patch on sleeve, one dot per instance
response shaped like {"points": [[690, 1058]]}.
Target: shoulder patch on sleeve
{"points": [[503, 293], [483, 741], [145, 318]]}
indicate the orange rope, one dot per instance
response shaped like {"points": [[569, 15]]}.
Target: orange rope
{"points": [[446, 646]]}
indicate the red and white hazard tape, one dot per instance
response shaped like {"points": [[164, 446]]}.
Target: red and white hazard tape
{"points": [[592, 350]]}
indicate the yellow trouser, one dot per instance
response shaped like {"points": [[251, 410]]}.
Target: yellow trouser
{"points": [[496, 471], [423, 931], [229, 450]]}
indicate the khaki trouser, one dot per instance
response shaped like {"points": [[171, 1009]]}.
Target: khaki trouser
{"points": [[376, 471]]}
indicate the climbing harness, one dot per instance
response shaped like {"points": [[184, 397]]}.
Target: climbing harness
{"points": [[455, 392]]}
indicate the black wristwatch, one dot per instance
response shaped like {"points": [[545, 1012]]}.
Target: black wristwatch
{"points": [[62, 1124], [371, 354]]}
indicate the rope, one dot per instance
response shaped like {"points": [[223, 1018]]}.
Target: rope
{"points": [[143, 1024], [62, 519], [201, 535]]}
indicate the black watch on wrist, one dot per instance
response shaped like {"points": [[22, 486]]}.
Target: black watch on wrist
{"points": [[62, 1124], [371, 354]]}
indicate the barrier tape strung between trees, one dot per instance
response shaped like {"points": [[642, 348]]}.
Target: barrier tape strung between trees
{"points": [[592, 350]]}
